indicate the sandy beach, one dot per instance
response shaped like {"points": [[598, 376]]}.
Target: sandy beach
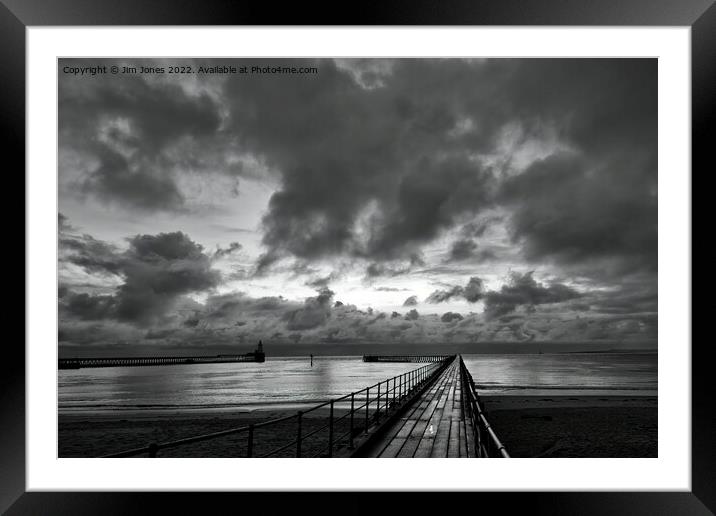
{"points": [[529, 426], [575, 426], [82, 436]]}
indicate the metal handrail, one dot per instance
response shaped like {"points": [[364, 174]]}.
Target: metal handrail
{"points": [[403, 386], [486, 441]]}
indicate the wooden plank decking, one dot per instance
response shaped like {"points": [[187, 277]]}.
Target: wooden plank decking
{"points": [[433, 426]]}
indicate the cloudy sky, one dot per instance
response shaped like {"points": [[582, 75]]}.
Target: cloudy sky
{"points": [[373, 201]]}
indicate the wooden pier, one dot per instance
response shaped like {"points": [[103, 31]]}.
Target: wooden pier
{"points": [[404, 358], [433, 426], [431, 411]]}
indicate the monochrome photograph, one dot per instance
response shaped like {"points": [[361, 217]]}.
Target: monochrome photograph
{"points": [[357, 257]]}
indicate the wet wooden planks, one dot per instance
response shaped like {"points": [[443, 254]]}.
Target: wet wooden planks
{"points": [[434, 426]]}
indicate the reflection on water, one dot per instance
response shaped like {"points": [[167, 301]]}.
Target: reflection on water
{"points": [[590, 373], [287, 380], [278, 380]]}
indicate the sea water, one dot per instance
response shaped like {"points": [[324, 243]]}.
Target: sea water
{"points": [[289, 381]]}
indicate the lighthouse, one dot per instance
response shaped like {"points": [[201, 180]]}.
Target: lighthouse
{"points": [[259, 353]]}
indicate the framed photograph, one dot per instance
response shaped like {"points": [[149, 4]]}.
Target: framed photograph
{"points": [[262, 249]]}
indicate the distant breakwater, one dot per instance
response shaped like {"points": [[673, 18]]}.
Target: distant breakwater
{"points": [[78, 363]]}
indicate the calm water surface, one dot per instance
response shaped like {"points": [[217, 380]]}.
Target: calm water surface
{"points": [[286, 381], [567, 373]]}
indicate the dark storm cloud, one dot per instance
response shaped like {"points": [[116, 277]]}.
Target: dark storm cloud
{"points": [[238, 304], [440, 296], [599, 200], [472, 292], [89, 253], [523, 289], [140, 185], [375, 168], [478, 228], [390, 269], [467, 250], [449, 317], [321, 282], [223, 252], [318, 282], [315, 312], [334, 166], [411, 301], [126, 126], [462, 250], [429, 198], [569, 209], [411, 148], [63, 224], [412, 315], [156, 270], [86, 307], [637, 297]]}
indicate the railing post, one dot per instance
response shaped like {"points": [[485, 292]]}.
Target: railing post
{"points": [[478, 439], [377, 405], [298, 434], [394, 391], [367, 404], [350, 440], [330, 431], [388, 398], [385, 406], [250, 446]]}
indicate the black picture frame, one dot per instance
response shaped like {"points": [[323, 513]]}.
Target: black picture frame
{"points": [[17, 15]]}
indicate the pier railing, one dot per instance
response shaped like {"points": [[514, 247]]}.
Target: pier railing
{"points": [[486, 442], [348, 418]]}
